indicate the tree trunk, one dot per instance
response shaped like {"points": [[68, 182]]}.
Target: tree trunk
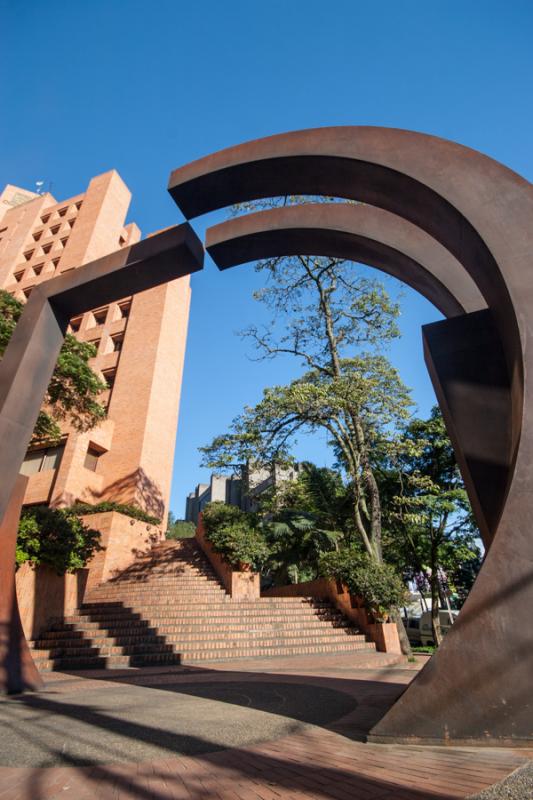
{"points": [[435, 619]]}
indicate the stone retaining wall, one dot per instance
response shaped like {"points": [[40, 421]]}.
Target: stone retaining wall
{"points": [[384, 634]]}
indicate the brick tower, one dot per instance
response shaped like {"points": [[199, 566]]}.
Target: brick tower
{"points": [[140, 350]]}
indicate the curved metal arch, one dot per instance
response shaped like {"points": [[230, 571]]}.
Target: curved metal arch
{"points": [[440, 186], [356, 232], [477, 687], [455, 194]]}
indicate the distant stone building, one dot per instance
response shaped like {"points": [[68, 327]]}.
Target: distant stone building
{"points": [[140, 345], [241, 489]]}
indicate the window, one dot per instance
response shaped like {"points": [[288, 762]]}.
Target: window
{"points": [[46, 248], [100, 316], [55, 262], [62, 212], [18, 276], [37, 236], [117, 340], [64, 241], [38, 268], [91, 457], [75, 324], [124, 309], [72, 222], [79, 204], [122, 241], [54, 230], [28, 255], [109, 377], [40, 460], [45, 219], [28, 291]]}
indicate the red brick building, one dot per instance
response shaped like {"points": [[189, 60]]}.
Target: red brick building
{"points": [[140, 349]]}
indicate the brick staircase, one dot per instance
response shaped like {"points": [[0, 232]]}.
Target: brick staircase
{"points": [[169, 608]]}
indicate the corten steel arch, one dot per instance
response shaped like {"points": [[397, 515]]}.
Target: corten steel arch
{"points": [[477, 688], [25, 373]]}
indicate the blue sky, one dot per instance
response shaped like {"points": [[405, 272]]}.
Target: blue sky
{"points": [[144, 87]]}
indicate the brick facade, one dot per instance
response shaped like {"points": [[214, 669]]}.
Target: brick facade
{"points": [[140, 348]]}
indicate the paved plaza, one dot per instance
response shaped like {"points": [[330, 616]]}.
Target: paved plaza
{"points": [[269, 729]]}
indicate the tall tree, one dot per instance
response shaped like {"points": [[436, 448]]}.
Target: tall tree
{"points": [[334, 319], [428, 524], [73, 391]]}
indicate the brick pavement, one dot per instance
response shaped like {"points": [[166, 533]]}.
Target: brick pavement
{"points": [[314, 763]]}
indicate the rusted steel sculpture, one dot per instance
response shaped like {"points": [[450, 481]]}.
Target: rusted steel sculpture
{"points": [[25, 373], [478, 687]]}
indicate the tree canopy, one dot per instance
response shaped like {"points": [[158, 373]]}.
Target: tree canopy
{"points": [[73, 391], [429, 530], [333, 318]]}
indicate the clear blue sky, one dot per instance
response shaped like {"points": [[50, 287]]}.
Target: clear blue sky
{"points": [[144, 87]]}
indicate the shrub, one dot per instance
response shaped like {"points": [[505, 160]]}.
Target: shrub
{"points": [[128, 509], [55, 537], [378, 585], [180, 529], [234, 534]]}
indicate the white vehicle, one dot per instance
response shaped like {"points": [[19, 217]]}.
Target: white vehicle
{"points": [[419, 628]]}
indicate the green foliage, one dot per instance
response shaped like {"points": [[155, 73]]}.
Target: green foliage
{"points": [[74, 387], [378, 585], [262, 434], [179, 528], [296, 543], [428, 522], [55, 537], [235, 535], [333, 319], [128, 509]]}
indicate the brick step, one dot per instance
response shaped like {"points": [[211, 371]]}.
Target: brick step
{"points": [[146, 586], [155, 593], [135, 618], [153, 575], [215, 608], [167, 628], [196, 644], [189, 583], [262, 602], [171, 608], [199, 603], [105, 650], [108, 662], [153, 620], [155, 588], [156, 579], [192, 656], [225, 601], [204, 629], [181, 638], [174, 632]]}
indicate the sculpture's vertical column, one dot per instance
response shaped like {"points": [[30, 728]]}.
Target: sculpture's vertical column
{"points": [[17, 670]]}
